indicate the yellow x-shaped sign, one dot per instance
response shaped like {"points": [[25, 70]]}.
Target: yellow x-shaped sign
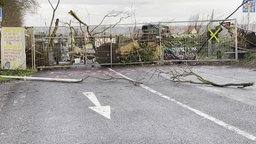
{"points": [[213, 35]]}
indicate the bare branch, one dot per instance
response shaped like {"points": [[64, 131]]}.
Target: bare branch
{"points": [[51, 4], [79, 20], [122, 18], [176, 76], [76, 17], [50, 29], [53, 35], [81, 28], [53, 13], [109, 77], [112, 14], [103, 19]]}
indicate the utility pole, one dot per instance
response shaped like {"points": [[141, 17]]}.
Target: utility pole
{"points": [[248, 15]]}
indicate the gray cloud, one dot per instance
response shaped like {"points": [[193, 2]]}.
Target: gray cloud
{"points": [[96, 2], [146, 10]]}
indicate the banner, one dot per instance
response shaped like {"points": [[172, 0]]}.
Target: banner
{"points": [[13, 55]]}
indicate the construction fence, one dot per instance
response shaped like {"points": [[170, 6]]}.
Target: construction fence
{"points": [[133, 43]]}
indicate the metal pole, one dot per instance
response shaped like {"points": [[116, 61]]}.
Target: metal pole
{"points": [[45, 51], [111, 47], [44, 79], [33, 48], [248, 16], [236, 45], [160, 42]]}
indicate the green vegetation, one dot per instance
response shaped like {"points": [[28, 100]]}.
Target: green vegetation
{"points": [[248, 56], [249, 59], [14, 73], [144, 53], [1, 3]]}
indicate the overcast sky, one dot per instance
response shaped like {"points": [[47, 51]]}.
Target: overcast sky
{"points": [[92, 11]]}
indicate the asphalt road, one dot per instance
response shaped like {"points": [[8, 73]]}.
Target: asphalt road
{"points": [[107, 108]]}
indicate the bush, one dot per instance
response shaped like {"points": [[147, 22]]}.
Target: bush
{"points": [[248, 56]]}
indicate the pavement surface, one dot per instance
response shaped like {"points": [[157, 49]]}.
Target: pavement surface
{"points": [[108, 108]]}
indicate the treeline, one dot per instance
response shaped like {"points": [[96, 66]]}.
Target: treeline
{"points": [[15, 10]]}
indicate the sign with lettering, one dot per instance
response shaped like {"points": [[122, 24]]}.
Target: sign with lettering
{"points": [[13, 55], [100, 41]]}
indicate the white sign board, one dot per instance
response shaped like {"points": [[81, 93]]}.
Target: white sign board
{"points": [[100, 41], [13, 55]]}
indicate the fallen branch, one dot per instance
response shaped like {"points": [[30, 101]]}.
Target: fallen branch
{"points": [[177, 76], [109, 77]]}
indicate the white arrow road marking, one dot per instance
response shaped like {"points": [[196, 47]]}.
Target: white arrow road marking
{"points": [[102, 110]]}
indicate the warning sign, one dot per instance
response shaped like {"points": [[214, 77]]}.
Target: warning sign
{"points": [[13, 54], [214, 34]]}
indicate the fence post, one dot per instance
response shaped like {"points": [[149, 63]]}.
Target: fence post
{"points": [[236, 45], [111, 47], [160, 42], [33, 48]]}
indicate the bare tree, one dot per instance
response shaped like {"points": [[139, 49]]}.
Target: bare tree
{"points": [[54, 8], [14, 11], [51, 34], [94, 31]]}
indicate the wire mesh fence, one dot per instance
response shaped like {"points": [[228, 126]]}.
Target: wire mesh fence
{"points": [[136, 43], [200, 40]]}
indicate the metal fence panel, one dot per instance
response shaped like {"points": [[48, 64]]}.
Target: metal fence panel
{"points": [[137, 43], [199, 40]]}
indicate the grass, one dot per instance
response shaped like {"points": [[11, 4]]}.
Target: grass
{"points": [[249, 59], [14, 73]]}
